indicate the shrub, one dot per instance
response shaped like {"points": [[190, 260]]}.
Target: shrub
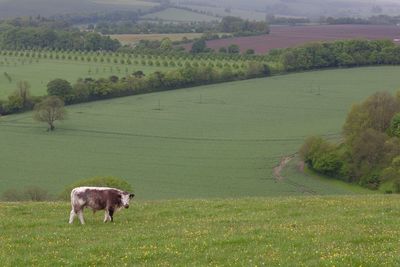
{"points": [[11, 195], [35, 193], [97, 181], [31, 193]]}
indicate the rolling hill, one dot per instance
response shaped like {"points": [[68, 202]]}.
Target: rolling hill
{"points": [[14, 8], [219, 140]]}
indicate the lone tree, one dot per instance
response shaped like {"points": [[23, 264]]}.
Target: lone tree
{"points": [[49, 110], [59, 87]]}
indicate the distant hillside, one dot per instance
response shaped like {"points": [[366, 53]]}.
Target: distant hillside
{"points": [[309, 8], [13, 8], [177, 14]]}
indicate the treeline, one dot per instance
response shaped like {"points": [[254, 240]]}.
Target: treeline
{"points": [[348, 53], [89, 89], [130, 27], [241, 27], [374, 20], [43, 33], [273, 20], [370, 151], [233, 25]]}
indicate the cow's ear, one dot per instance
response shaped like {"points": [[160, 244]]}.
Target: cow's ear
{"points": [[131, 196]]}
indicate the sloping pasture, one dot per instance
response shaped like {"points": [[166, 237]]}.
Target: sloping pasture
{"points": [[39, 73], [219, 140]]}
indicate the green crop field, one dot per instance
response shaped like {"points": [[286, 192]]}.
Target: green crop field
{"points": [[219, 140], [38, 74], [294, 231], [176, 14], [134, 3], [39, 67]]}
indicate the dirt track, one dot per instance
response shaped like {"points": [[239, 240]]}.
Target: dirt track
{"points": [[278, 169]]}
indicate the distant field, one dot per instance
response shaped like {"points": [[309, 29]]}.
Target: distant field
{"points": [[132, 38], [291, 36], [38, 74], [14, 8], [221, 11], [219, 140], [306, 8], [301, 231], [135, 3], [175, 14]]}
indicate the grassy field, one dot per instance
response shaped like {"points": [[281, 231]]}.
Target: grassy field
{"points": [[134, 3], [295, 231], [176, 14], [132, 38], [39, 74], [221, 11], [220, 140]]}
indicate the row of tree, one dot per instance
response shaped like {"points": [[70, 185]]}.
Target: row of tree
{"points": [[374, 20], [370, 151], [229, 24], [16, 34], [347, 53], [89, 89]]}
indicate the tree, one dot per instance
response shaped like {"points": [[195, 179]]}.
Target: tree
{"points": [[250, 51], [223, 50], [199, 46], [233, 49], [376, 112], [166, 44], [59, 87], [49, 110], [395, 125], [23, 92]]}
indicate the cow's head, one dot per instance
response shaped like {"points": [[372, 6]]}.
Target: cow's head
{"points": [[125, 198]]}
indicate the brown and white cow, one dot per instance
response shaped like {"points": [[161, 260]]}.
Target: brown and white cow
{"points": [[98, 198]]}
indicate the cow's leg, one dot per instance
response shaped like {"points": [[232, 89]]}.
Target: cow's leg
{"points": [[106, 216], [80, 216], [72, 216], [111, 213]]}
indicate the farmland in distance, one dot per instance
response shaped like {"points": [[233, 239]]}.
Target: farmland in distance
{"points": [[289, 36], [39, 72], [178, 15], [132, 38]]}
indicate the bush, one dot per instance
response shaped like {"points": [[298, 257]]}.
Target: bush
{"points": [[396, 186], [34, 193], [11, 195], [31, 193], [97, 181], [321, 156]]}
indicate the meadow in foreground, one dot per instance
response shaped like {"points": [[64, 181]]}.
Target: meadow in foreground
{"points": [[295, 231]]}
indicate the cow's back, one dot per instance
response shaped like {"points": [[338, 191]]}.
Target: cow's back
{"points": [[96, 198]]}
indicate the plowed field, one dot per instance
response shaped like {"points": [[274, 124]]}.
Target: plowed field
{"points": [[290, 36]]}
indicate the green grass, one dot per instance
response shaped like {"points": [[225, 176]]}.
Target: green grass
{"points": [[223, 12], [39, 74], [176, 14], [134, 3], [295, 231], [219, 140]]}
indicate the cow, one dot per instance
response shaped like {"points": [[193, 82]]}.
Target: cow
{"points": [[98, 198]]}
